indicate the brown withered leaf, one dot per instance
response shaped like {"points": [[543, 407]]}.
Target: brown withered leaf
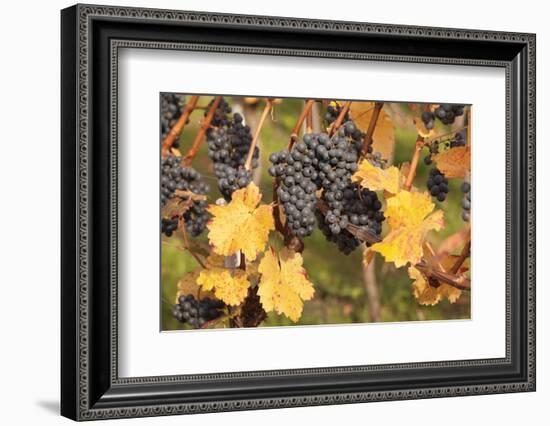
{"points": [[178, 205], [454, 162], [175, 207]]}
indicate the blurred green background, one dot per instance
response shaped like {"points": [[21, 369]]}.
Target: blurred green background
{"points": [[340, 281]]}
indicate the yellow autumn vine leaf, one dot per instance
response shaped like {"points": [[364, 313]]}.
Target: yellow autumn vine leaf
{"points": [[454, 162], [377, 179], [229, 285], [284, 285], [426, 294], [241, 224], [383, 138], [408, 216]]}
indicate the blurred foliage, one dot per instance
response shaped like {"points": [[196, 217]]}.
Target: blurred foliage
{"points": [[340, 293]]}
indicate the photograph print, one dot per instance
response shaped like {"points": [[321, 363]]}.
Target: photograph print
{"points": [[307, 212]]}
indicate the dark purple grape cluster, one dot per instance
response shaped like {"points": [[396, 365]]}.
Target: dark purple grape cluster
{"points": [[446, 113], [345, 241], [195, 312], [466, 201], [171, 108], [231, 179], [337, 162], [317, 162], [360, 207], [174, 177], [438, 185], [221, 115], [364, 208], [296, 171], [229, 141]]}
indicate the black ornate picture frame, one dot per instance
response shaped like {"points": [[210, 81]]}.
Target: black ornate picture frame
{"points": [[91, 38]]}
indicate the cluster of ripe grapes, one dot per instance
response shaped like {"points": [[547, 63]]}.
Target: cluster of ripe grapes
{"points": [[317, 162], [196, 312], [171, 108], [229, 141], [297, 173], [438, 185], [174, 177], [362, 208], [345, 201], [446, 113], [466, 201]]}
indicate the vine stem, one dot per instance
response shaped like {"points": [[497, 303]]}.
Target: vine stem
{"points": [[188, 159], [178, 127], [338, 122], [309, 121], [462, 283], [267, 108], [429, 247], [305, 112], [367, 140], [464, 254], [414, 162]]}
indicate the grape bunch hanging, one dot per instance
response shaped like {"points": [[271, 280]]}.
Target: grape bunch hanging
{"points": [[438, 185], [229, 141], [446, 113], [321, 162], [175, 177], [197, 312]]}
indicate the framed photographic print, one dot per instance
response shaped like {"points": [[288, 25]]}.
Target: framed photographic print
{"points": [[263, 212]]}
